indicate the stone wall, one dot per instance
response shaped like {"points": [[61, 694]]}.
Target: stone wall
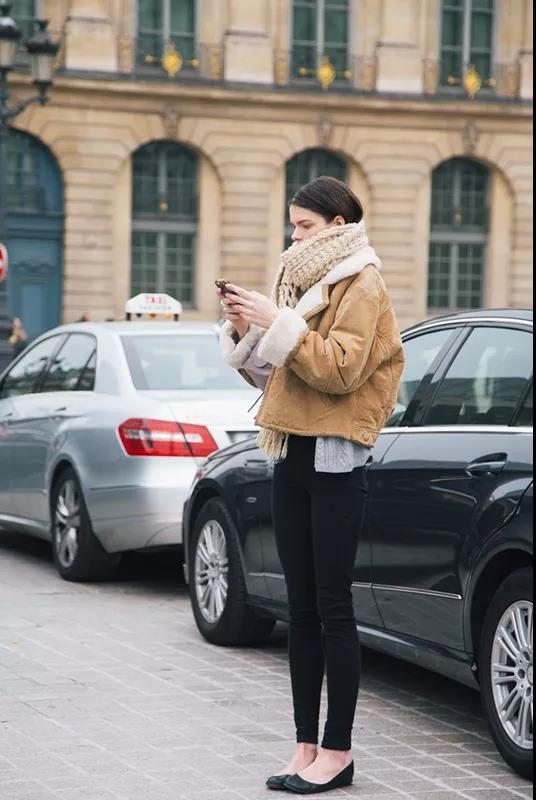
{"points": [[245, 134]]}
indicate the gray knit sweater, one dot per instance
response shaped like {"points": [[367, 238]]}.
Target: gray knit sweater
{"points": [[333, 454]]}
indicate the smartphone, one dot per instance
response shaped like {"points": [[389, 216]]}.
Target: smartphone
{"points": [[221, 284]]}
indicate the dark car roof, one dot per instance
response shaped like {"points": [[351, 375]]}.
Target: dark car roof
{"points": [[521, 314]]}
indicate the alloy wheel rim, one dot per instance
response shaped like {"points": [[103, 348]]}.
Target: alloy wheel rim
{"points": [[212, 572], [512, 672], [67, 524]]}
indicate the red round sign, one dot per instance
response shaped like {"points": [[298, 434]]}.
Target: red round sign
{"points": [[4, 262]]}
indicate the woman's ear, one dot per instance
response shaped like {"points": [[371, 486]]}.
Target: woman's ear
{"points": [[339, 220]]}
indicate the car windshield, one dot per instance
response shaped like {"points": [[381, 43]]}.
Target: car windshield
{"points": [[179, 362]]}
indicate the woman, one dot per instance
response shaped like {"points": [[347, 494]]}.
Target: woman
{"points": [[18, 338], [326, 349]]}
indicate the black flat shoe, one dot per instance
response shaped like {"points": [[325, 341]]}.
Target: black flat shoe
{"points": [[277, 783], [299, 786]]}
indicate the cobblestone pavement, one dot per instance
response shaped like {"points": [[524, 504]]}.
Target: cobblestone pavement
{"points": [[107, 692]]}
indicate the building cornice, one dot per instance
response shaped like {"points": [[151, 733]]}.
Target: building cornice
{"points": [[90, 91]]}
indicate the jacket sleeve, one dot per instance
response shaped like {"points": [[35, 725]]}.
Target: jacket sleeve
{"points": [[238, 352], [257, 369], [335, 365]]}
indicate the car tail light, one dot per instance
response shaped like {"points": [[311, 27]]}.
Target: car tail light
{"points": [[153, 437]]}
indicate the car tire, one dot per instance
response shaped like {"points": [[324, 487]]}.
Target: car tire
{"points": [[78, 555], [502, 676], [222, 616]]}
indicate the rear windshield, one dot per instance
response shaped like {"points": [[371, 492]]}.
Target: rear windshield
{"points": [[176, 362]]}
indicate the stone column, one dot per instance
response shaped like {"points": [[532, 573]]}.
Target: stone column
{"points": [[90, 38], [400, 59], [527, 54], [248, 45]]}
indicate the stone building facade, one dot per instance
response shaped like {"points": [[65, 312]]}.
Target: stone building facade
{"points": [[177, 131]]}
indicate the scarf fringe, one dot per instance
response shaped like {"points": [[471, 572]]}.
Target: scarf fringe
{"points": [[273, 444]]}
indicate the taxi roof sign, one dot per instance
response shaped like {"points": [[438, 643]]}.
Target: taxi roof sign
{"points": [[161, 305]]}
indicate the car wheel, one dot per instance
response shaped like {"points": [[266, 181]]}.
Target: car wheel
{"points": [[507, 670], [78, 554], [217, 585]]}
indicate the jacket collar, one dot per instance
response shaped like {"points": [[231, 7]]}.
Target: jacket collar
{"points": [[316, 299]]}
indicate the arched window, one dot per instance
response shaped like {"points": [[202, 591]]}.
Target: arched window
{"points": [[460, 214], [165, 23], [30, 172], [305, 167], [467, 33], [164, 220], [320, 28]]}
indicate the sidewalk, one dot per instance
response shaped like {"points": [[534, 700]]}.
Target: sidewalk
{"points": [[108, 693]]}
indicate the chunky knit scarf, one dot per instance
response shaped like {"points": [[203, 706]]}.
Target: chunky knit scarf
{"points": [[302, 266]]}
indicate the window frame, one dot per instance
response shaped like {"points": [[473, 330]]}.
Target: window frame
{"points": [[161, 226], [46, 370], [521, 406], [94, 355], [314, 153], [320, 41], [61, 337], [438, 378], [415, 410], [24, 19], [44, 169], [456, 238], [154, 69], [22, 59], [466, 47]]}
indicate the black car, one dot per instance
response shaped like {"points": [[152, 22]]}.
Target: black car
{"points": [[444, 573]]}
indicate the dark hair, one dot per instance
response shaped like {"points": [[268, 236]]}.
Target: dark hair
{"points": [[330, 198]]}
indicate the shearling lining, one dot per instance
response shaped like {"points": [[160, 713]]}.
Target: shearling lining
{"points": [[283, 338], [236, 355]]}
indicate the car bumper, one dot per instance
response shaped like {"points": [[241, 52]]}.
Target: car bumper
{"points": [[142, 515]]}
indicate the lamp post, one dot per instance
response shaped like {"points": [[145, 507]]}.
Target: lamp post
{"points": [[42, 51]]}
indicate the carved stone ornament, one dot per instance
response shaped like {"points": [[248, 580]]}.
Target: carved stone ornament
{"points": [[170, 121], [367, 73], [126, 54], [431, 76], [471, 136], [324, 129], [509, 80], [281, 66]]}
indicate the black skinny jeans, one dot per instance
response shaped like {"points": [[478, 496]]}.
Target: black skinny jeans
{"points": [[318, 519]]}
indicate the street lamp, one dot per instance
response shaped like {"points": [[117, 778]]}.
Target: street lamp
{"points": [[42, 51]]}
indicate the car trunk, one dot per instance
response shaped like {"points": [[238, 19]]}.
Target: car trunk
{"points": [[227, 414]]}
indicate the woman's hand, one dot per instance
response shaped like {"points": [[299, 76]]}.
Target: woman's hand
{"points": [[253, 307], [240, 325]]}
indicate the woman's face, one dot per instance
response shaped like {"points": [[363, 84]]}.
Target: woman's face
{"points": [[308, 223]]}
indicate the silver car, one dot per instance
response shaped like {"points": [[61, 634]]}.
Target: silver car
{"points": [[102, 429]]}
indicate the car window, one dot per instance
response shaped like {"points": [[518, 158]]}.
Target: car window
{"points": [[22, 377], [67, 367], [486, 381], [179, 362], [525, 418], [87, 380], [421, 353]]}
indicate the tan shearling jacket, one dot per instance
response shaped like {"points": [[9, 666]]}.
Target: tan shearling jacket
{"points": [[337, 359]]}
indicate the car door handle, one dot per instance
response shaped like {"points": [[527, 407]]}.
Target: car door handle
{"points": [[8, 416], [488, 465], [60, 410]]}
